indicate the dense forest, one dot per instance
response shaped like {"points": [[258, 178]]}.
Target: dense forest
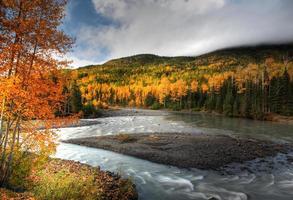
{"points": [[250, 82]]}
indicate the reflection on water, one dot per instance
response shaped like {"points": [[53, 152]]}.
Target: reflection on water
{"points": [[260, 179], [222, 125]]}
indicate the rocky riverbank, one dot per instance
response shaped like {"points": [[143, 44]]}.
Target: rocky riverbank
{"points": [[185, 150]]}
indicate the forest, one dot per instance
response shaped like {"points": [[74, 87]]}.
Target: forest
{"points": [[250, 82], [134, 153]]}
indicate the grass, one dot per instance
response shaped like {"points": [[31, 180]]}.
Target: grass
{"points": [[71, 180], [66, 185], [60, 179]]}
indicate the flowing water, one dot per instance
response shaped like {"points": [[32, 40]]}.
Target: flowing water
{"points": [[268, 179]]}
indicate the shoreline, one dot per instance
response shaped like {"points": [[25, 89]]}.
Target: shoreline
{"points": [[133, 111], [200, 151]]}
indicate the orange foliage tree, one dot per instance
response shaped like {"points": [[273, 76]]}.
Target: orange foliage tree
{"points": [[30, 78]]}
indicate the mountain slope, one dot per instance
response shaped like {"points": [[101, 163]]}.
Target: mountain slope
{"points": [[243, 55], [243, 82]]}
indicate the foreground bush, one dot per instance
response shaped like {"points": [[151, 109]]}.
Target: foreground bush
{"points": [[65, 185], [57, 179], [70, 180]]}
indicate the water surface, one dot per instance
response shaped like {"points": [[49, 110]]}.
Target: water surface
{"points": [[270, 178]]}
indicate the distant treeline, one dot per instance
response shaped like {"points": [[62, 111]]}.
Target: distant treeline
{"points": [[233, 82]]}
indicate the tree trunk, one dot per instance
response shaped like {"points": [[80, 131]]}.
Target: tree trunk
{"points": [[8, 170], [1, 119]]}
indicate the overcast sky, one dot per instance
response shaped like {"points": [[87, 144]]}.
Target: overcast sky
{"points": [[106, 29]]}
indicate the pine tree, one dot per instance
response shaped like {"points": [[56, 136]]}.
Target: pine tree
{"points": [[290, 102], [247, 101], [211, 100], [229, 99], [75, 98], [285, 93], [236, 107], [275, 97]]}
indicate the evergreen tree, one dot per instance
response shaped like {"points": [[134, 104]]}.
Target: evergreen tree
{"points": [[221, 97], [290, 102], [219, 103], [211, 100], [285, 93], [236, 107], [275, 97], [75, 98], [229, 99], [247, 101], [201, 99], [258, 100]]}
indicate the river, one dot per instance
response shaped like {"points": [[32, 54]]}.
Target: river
{"points": [[269, 179]]}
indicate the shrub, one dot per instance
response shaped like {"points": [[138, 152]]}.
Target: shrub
{"points": [[90, 111], [156, 106], [196, 109], [21, 170], [23, 166], [175, 107], [65, 185]]}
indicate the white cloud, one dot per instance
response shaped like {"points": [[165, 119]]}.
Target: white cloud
{"points": [[77, 62], [186, 27]]}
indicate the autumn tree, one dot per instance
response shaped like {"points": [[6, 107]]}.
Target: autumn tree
{"points": [[257, 89], [30, 79], [178, 91], [164, 90], [193, 92]]}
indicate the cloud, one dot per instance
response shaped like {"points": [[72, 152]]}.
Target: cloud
{"points": [[184, 27], [77, 62]]}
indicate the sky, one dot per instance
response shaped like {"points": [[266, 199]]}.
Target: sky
{"points": [[107, 29]]}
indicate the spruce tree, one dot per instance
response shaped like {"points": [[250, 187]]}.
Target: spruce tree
{"points": [[229, 99], [75, 98], [211, 100], [285, 93], [236, 106], [247, 100], [290, 102], [276, 94]]}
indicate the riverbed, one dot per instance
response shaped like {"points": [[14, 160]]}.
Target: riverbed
{"points": [[269, 178]]}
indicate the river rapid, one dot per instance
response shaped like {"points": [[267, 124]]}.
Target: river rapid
{"points": [[269, 179]]}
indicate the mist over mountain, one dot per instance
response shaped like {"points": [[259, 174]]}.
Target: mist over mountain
{"points": [[108, 29]]}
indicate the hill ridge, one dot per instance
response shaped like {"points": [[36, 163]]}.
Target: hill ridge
{"points": [[148, 58]]}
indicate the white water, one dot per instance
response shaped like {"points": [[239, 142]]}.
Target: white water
{"points": [[259, 179]]}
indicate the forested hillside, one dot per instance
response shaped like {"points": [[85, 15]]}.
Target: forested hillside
{"points": [[242, 82]]}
